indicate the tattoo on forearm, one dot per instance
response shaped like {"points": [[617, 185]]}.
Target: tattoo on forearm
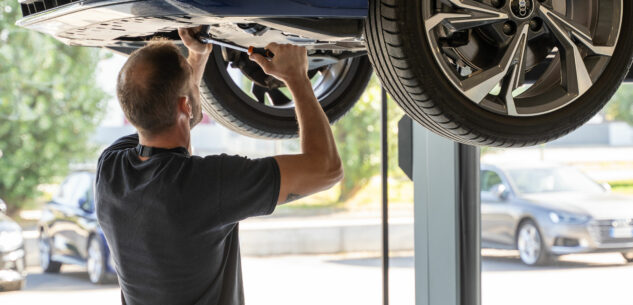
{"points": [[293, 197]]}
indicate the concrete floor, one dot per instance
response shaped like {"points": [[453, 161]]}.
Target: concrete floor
{"points": [[355, 279]]}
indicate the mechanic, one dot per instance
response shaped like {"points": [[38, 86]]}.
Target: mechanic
{"points": [[171, 219]]}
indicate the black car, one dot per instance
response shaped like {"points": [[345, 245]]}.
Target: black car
{"points": [[70, 234], [12, 254]]}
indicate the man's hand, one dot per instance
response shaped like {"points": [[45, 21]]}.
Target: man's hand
{"points": [[188, 37], [289, 65]]}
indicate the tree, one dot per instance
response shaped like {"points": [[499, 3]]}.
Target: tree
{"points": [[49, 106], [621, 105], [358, 138]]}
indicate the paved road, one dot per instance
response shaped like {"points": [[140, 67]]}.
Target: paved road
{"points": [[578, 280]]}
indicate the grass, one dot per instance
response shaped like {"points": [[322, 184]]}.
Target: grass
{"points": [[622, 187]]}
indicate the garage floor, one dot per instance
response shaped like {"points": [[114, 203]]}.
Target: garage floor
{"points": [[580, 279]]}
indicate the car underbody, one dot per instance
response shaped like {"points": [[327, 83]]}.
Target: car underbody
{"points": [[90, 23], [480, 72]]}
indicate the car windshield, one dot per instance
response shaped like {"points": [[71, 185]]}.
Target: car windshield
{"points": [[555, 179]]}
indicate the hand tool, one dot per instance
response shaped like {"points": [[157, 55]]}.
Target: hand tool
{"points": [[204, 37]]}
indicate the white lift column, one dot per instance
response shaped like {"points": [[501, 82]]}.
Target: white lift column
{"points": [[446, 217]]}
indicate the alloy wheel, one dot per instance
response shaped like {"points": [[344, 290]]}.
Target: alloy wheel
{"points": [[45, 251], [523, 57], [95, 261], [529, 244], [268, 94]]}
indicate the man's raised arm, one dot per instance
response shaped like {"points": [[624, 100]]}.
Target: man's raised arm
{"points": [[318, 166]]}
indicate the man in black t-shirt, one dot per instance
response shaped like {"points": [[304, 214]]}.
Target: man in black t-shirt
{"points": [[171, 219]]}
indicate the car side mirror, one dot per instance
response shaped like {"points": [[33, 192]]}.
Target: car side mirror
{"points": [[3, 207], [500, 191]]}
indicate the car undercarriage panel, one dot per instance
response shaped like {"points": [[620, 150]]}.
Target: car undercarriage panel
{"points": [[131, 23]]}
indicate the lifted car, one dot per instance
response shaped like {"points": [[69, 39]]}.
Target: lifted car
{"points": [[483, 72]]}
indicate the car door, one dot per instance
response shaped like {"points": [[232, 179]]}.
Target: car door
{"points": [[61, 227], [86, 221], [75, 214], [496, 210]]}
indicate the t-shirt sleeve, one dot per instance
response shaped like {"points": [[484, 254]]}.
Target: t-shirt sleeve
{"points": [[122, 143], [249, 187]]}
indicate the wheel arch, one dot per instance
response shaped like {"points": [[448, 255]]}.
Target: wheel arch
{"points": [[522, 220]]}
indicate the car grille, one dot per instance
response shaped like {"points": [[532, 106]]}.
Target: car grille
{"points": [[602, 230], [32, 7]]}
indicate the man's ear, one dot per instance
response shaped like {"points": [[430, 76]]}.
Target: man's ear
{"points": [[184, 106]]}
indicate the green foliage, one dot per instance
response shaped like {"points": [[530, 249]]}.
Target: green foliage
{"points": [[49, 106], [621, 105], [358, 138], [622, 187]]}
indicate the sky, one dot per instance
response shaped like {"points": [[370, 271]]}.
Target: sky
{"points": [[107, 71]]}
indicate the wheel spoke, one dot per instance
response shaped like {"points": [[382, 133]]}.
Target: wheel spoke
{"points": [[259, 92], [580, 32], [575, 76], [477, 15], [278, 98], [515, 79], [479, 86]]}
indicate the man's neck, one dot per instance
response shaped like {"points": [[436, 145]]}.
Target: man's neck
{"points": [[170, 138]]}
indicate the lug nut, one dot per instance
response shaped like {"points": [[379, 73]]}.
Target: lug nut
{"points": [[536, 24], [509, 28]]}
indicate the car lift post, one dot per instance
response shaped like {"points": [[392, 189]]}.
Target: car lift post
{"points": [[446, 216], [384, 171]]}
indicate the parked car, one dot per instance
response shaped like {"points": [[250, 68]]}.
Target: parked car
{"points": [[70, 234], [12, 253], [546, 210], [453, 65]]}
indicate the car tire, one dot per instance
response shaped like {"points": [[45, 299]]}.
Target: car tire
{"points": [[13, 286], [229, 105], [400, 49], [529, 242], [46, 252], [628, 256], [96, 262]]}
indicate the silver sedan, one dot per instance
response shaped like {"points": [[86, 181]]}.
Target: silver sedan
{"points": [[546, 210]]}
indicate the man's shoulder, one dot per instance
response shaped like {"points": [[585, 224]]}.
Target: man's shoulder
{"points": [[123, 143]]}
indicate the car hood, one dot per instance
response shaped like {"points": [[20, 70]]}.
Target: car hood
{"points": [[598, 206]]}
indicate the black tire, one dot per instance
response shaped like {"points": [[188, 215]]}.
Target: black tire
{"points": [[46, 261], [403, 60], [628, 256], [13, 286], [231, 107]]}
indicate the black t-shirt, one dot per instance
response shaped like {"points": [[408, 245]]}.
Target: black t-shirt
{"points": [[171, 221]]}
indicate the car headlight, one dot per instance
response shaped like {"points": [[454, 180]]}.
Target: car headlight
{"points": [[10, 240], [560, 217]]}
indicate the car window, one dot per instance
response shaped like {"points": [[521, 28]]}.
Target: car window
{"points": [[65, 193], [82, 189], [554, 179], [489, 179]]}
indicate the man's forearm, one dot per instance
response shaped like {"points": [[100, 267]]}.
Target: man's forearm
{"points": [[198, 62], [314, 128]]}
